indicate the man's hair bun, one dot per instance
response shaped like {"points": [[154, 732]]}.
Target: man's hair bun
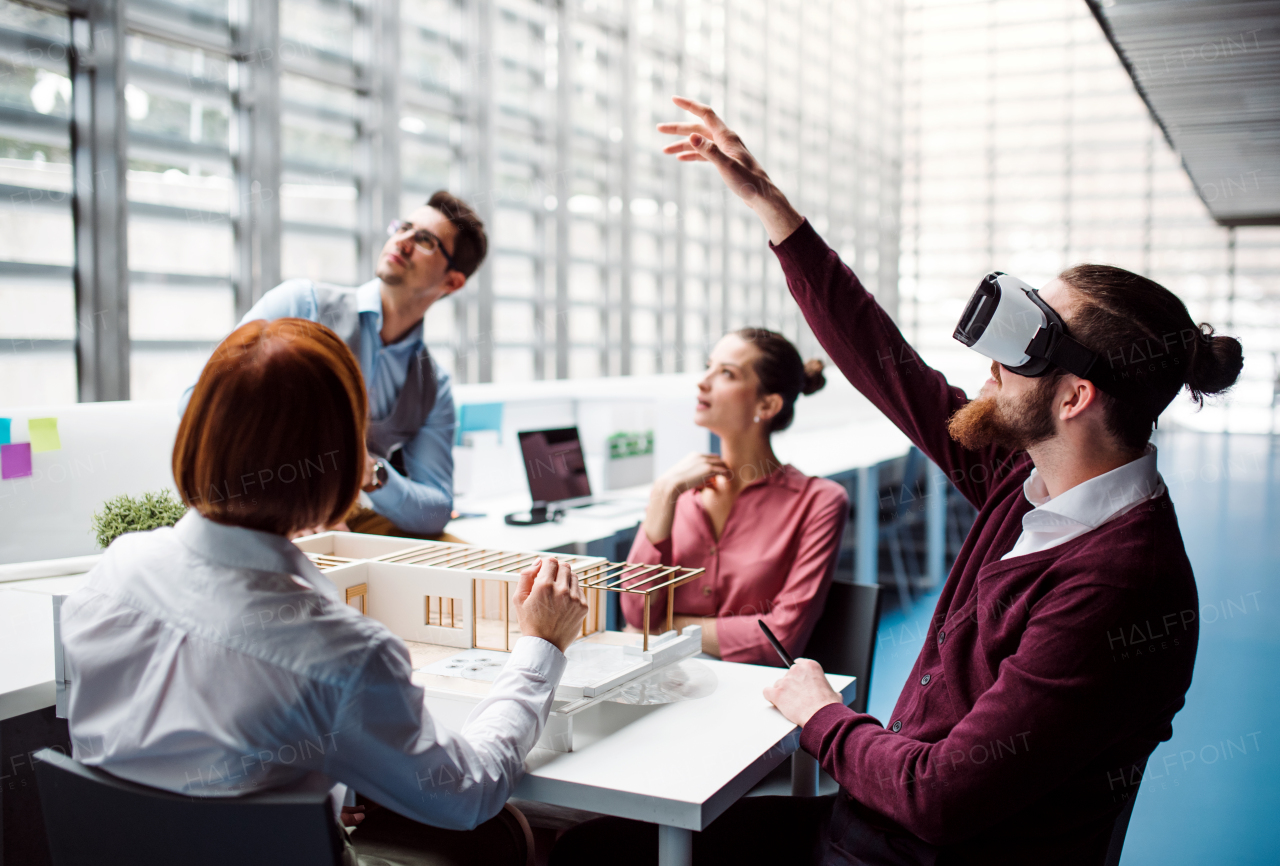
{"points": [[1215, 363], [813, 378], [1144, 334]]}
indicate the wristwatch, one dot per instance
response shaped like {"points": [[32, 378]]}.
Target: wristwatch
{"points": [[380, 475]]}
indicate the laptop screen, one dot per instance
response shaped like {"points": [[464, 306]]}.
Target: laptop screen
{"points": [[554, 465]]}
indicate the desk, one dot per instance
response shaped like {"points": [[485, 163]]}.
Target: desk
{"points": [[574, 533], [678, 765], [26, 646]]}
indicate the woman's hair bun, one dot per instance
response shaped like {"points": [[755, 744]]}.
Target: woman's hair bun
{"points": [[1215, 363], [813, 378]]}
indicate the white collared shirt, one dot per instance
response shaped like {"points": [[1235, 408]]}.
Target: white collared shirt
{"points": [[216, 660], [1086, 506]]}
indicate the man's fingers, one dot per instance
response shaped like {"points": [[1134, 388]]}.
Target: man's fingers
{"points": [[681, 146], [683, 129], [709, 149], [691, 157], [708, 115]]}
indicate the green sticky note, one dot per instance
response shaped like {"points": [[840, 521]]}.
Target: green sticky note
{"points": [[4, 431], [44, 434]]}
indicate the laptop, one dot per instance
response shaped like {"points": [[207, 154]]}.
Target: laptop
{"points": [[555, 467], [557, 475]]}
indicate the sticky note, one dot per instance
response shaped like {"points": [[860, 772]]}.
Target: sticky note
{"points": [[4, 430], [15, 460], [44, 434], [479, 416]]}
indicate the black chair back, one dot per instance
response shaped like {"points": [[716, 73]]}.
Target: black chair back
{"points": [[93, 817], [844, 640]]}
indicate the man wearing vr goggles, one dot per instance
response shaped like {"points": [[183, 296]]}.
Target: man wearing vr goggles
{"points": [[1064, 639]]}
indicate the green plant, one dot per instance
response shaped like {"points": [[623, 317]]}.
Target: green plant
{"points": [[136, 514]]}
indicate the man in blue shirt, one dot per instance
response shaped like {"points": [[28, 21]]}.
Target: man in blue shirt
{"points": [[428, 256]]}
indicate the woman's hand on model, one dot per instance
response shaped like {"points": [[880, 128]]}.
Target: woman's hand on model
{"points": [[711, 141], [693, 472], [549, 603]]}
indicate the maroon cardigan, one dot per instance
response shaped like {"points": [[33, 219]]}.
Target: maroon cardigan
{"points": [[1045, 681]]}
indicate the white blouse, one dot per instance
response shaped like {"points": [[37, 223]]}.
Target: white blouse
{"points": [[215, 660]]}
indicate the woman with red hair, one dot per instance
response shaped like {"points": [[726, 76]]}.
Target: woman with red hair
{"points": [[213, 659]]}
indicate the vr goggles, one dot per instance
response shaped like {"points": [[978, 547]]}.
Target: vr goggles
{"points": [[1006, 321]]}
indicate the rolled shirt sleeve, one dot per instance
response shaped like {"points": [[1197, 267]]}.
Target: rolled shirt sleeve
{"points": [[423, 501]]}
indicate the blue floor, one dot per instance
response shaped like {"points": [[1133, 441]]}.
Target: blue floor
{"points": [[1201, 802]]}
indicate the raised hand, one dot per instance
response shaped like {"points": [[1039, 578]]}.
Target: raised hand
{"points": [[710, 140]]}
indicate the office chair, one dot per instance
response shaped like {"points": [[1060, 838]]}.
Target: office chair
{"points": [[843, 642], [93, 817], [844, 639]]}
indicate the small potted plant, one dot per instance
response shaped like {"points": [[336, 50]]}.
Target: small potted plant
{"points": [[136, 514]]}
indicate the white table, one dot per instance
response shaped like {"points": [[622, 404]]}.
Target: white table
{"points": [[26, 641], [26, 647], [579, 528], [677, 765]]}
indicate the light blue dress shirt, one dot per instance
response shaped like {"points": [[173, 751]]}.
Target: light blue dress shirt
{"points": [[423, 501]]}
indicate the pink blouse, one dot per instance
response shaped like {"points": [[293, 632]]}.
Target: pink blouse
{"points": [[774, 561]]}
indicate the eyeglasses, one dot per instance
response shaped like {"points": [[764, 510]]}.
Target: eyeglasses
{"points": [[422, 239]]}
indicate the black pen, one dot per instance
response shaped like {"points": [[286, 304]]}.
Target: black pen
{"points": [[786, 659]]}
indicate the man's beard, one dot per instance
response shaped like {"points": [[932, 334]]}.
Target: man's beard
{"points": [[987, 421]]}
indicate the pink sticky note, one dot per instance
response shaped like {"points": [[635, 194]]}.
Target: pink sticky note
{"points": [[15, 460]]}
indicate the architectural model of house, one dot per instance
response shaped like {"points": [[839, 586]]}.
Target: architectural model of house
{"points": [[453, 603]]}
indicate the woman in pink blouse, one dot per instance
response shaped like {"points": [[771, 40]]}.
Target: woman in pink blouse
{"points": [[767, 534]]}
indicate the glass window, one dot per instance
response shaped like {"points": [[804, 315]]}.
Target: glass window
{"points": [[180, 188], [38, 327]]}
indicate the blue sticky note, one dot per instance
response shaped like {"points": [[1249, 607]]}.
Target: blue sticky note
{"points": [[4, 430], [479, 416]]}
